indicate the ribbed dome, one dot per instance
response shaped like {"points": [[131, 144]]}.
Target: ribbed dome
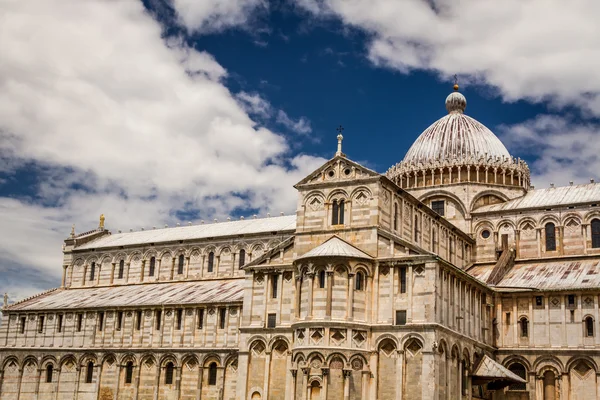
{"points": [[455, 136]]}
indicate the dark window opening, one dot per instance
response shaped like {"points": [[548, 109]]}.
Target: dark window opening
{"points": [[524, 327], [138, 322], [589, 326], [271, 320], [222, 316], [119, 320], [438, 207], [507, 318], [200, 318], [416, 233], [158, 315], [242, 259], [550, 237], [92, 271], [129, 372], [358, 285], [23, 322], [152, 266], [180, 265], [49, 372], [79, 322], [400, 317], [519, 370], [595, 233], [274, 283], [41, 324], [121, 269], [402, 279], [337, 212], [322, 278], [539, 301], [59, 323], [211, 261], [571, 300], [212, 374], [395, 217], [89, 374], [572, 316], [169, 373], [179, 319], [100, 321]]}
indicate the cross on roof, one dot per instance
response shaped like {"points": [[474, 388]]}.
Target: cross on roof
{"points": [[339, 129]]}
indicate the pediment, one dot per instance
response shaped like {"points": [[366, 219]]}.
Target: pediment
{"points": [[338, 169]]}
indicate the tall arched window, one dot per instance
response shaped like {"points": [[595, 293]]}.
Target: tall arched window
{"points": [[395, 216], [121, 268], [358, 281], [550, 237], [180, 264], [129, 372], [169, 373], [89, 373], [211, 261], [92, 271], [49, 372], [242, 260], [524, 327], [595, 233], [152, 266], [337, 212], [322, 278], [589, 327], [212, 374], [519, 370]]}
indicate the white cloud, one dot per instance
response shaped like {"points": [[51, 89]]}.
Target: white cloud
{"points": [[124, 124], [301, 126], [541, 50], [562, 150], [253, 103], [216, 15]]}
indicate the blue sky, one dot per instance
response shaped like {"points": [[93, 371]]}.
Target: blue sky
{"points": [[165, 111]]}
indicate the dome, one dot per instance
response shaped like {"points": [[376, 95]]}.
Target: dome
{"points": [[455, 136]]}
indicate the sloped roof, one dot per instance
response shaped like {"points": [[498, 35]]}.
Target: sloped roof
{"points": [[554, 275], [543, 198], [489, 369], [336, 247], [242, 227], [154, 294]]}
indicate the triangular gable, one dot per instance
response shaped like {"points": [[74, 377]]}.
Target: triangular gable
{"points": [[490, 370], [336, 247], [289, 242], [339, 168]]}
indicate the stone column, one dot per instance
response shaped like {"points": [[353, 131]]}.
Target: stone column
{"points": [[172, 268], [399, 374], [76, 392], [187, 267], [330, 276], [561, 238], [311, 278], [347, 373], [325, 372], [294, 373], [136, 387], [157, 381], [267, 374], [200, 379], [305, 372], [178, 381], [375, 297], [143, 271], [112, 273], [37, 384], [350, 312], [64, 276], [97, 380], [298, 296], [128, 268]]}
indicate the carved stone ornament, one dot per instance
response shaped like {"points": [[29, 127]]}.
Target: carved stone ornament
{"points": [[260, 279], [148, 314], [129, 314], [32, 317], [357, 364], [50, 317], [287, 276], [189, 312], [13, 317], [233, 311], [211, 311], [169, 313], [69, 316]]}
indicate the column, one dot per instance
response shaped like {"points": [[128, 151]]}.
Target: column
{"points": [[172, 268], [136, 388], [157, 381], [375, 297], [178, 381], [142, 272], [64, 276], [112, 273], [311, 278], [325, 372], [97, 380], [76, 382], [305, 371], [187, 267], [347, 373], [200, 378], [37, 384], [128, 268], [329, 293], [400, 374], [350, 296], [561, 237], [294, 373], [298, 295]]}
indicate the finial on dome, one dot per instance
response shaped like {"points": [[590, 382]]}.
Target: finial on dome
{"points": [[456, 102], [455, 83], [339, 138]]}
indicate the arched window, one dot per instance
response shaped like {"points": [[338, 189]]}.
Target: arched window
{"points": [[596, 233], [121, 268], [322, 278], [589, 327], [242, 260], [337, 212], [89, 373], [395, 216], [519, 370], [169, 373], [212, 374], [359, 284], [152, 266], [129, 372], [550, 237], [49, 372], [180, 265], [211, 261], [524, 322], [92, 271]]}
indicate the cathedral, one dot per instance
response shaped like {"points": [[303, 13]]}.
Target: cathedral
{"points": [[448, 277]]}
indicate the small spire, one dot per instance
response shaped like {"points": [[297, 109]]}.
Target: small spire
{"points": [[101, 225], [455, 83], [72, 231], [340, 137], [5, 300]]}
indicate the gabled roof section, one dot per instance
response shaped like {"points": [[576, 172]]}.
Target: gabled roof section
{"points": [[169, 293], [545, 198], [336, 247], [220, 229], [270, 253], [336, 170], [490, 370]]}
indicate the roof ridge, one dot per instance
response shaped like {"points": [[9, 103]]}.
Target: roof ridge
{"points": [[30, 297]]}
